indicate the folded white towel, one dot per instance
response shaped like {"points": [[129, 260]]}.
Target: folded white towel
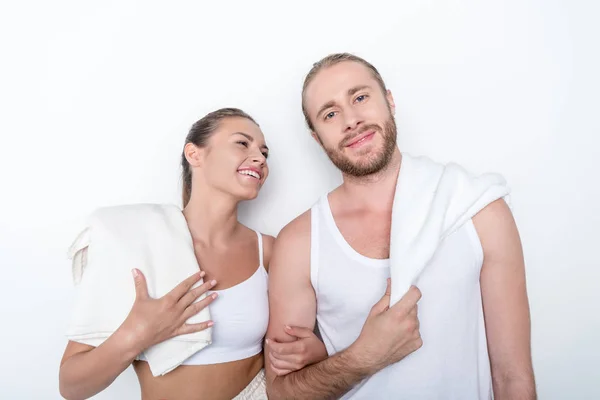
{"points": [[432, 200], [152, 238]]}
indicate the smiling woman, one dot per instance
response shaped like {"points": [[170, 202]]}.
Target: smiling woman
{"points": [[250, 170], [227, 136], [224, 162]]}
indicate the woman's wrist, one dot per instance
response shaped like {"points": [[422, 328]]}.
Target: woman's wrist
{"points": [[129, 342]]}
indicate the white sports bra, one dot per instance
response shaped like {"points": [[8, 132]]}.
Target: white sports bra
{"points": [[241, 316]]}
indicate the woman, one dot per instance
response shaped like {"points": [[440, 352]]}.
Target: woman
{"points": [[224, 162]]}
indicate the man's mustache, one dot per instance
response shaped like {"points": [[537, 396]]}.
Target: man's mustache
{"points": [[352, 136]]}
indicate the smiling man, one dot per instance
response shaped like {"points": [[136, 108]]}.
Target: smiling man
{"points": [[469, 337]]}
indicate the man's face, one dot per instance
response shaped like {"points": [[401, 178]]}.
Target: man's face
{"points": [[352, 118]]}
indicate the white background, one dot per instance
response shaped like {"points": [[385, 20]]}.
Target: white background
{"points": [[97, 97]]}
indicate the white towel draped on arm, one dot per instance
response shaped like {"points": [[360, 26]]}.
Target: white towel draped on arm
{"points": [[152, 238], [432, 200]]}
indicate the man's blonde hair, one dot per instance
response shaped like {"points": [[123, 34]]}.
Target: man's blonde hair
{"points": [[330, 61]]}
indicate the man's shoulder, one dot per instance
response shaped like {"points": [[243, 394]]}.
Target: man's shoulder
{"points": [[296, 230], [496, 228], [291, 252]]}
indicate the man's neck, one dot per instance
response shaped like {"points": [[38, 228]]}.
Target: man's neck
{"points": [[376, 191]]}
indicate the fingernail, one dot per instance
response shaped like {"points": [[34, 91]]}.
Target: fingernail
{"points": [[202, 274], [214, 295], [135, 272], [213, 282], [289, 328], [267, 341], [210, 323]]}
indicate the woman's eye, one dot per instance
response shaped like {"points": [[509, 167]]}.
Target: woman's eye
{"points": [[243, 143]]}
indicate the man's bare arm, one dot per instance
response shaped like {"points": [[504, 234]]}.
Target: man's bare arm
{"points": [[505, 303], [328, 379], [389, 334], [292, 302]]}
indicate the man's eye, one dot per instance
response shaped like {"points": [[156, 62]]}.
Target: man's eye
{"points": [[330, 115]]}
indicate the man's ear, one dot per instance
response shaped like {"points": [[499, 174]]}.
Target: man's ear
{"points": [[390, 100], [316, 137], [193, 154]]}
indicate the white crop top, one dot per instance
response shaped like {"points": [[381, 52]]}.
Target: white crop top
{"points": [[241, 316]]}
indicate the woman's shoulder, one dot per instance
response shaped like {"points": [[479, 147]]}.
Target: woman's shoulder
{"points": [[268, 243]]}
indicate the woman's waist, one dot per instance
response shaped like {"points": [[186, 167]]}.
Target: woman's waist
{"points": [[190, 382]]}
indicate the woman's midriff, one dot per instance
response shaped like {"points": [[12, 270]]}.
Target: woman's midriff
{"points": [[194, 382]]}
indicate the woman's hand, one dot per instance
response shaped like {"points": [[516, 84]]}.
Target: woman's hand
{"points": [[152, 321], [291, 356]]}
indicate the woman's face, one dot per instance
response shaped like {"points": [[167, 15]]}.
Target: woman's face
{"points": [[235, 158]]}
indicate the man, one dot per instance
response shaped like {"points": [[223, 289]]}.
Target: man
{"points": [[469, 336]]}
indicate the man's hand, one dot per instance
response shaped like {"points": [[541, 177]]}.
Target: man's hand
{"points": [[389, 333]]}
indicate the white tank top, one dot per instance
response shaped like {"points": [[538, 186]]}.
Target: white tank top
{"points": [[241, 316], [453, 362]]}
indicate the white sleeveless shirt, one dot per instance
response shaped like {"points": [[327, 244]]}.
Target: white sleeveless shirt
{"points": [[453, 362]]}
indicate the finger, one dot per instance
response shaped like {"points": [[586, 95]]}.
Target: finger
{"points": [[195, 308], [287, 349], [141, 288], [384, 303], [193, 294], [283, 364], [413, 312], [183, 287], [299, 331], [408, 301], [294, 360], [280, 372], [192, 328], [272, 345], [280, 347], [415, 294]]}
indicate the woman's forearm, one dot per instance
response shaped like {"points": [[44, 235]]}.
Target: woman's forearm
{"points": [[88, 373]]}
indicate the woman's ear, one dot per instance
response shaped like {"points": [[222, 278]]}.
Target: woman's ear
{"points": [[193, 154]]}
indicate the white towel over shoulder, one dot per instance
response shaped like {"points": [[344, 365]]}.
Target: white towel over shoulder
{"points": [[152, 238], [432, 200]]}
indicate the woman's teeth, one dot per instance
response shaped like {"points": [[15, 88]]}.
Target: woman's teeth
{"points": [[250, 173]]}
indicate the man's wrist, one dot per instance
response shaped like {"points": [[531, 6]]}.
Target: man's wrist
{"points": [[352, 357]]}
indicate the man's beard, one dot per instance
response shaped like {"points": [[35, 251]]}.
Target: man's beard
{"points": [[376, 162]]}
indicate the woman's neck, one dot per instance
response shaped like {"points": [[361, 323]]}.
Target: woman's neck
{"points": [[212, 217]]}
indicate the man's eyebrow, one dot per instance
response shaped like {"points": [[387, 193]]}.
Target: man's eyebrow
{"points": [[325, 106], [357, 89], [351, 92]]}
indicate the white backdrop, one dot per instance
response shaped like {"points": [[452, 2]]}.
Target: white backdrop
{"points": [[96, 99]]}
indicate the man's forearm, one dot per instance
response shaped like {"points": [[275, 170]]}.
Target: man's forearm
{"points": [[328, 379]]}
